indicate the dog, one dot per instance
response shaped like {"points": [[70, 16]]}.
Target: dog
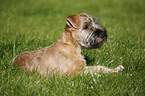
{"points": [[64, 56]]}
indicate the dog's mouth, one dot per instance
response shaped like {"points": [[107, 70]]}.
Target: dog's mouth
{"points": [[95, 39]]}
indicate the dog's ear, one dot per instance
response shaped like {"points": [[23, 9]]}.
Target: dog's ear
{"points": [[85, 15], [96, 20], [73, 21]]}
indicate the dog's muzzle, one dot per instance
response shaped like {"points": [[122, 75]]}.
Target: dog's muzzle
{"points": [[96, 38]]}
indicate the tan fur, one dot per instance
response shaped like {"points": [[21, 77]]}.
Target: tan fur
{"points": [[64, 56]]}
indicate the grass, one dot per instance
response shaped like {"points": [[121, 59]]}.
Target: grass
{"points": [[33, 24]]}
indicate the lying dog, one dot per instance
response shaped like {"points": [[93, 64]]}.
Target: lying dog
{"points": [[64, 56]]}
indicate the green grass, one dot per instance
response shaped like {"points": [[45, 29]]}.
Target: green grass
{"points": [[33, 24]]}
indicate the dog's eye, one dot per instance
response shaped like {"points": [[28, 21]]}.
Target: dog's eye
{"points": [[86, 27]]}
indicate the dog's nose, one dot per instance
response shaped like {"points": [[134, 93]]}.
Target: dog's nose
{"points": [[101, 32], [104, 30]]}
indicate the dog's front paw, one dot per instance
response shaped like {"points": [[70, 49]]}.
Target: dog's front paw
{"points": [[119, 68]]}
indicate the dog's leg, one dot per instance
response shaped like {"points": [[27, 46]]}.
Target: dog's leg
{"points": [[102, 69]]}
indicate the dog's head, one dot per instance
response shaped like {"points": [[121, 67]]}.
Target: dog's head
{"points": [[86, 31]]}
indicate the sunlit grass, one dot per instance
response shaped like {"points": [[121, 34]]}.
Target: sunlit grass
{"points": [[33, 24]]}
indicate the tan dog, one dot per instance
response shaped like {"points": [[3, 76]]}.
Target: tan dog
{"points": [[64, 56]]}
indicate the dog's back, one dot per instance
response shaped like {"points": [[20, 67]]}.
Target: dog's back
{"points": [[50, 59]]}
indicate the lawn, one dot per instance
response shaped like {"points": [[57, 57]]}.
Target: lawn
{"points": [[33, 24]]}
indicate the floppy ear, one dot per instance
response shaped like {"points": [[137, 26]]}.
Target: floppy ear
{"points": [[96, 20], [73, 21], [84, 14]]}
